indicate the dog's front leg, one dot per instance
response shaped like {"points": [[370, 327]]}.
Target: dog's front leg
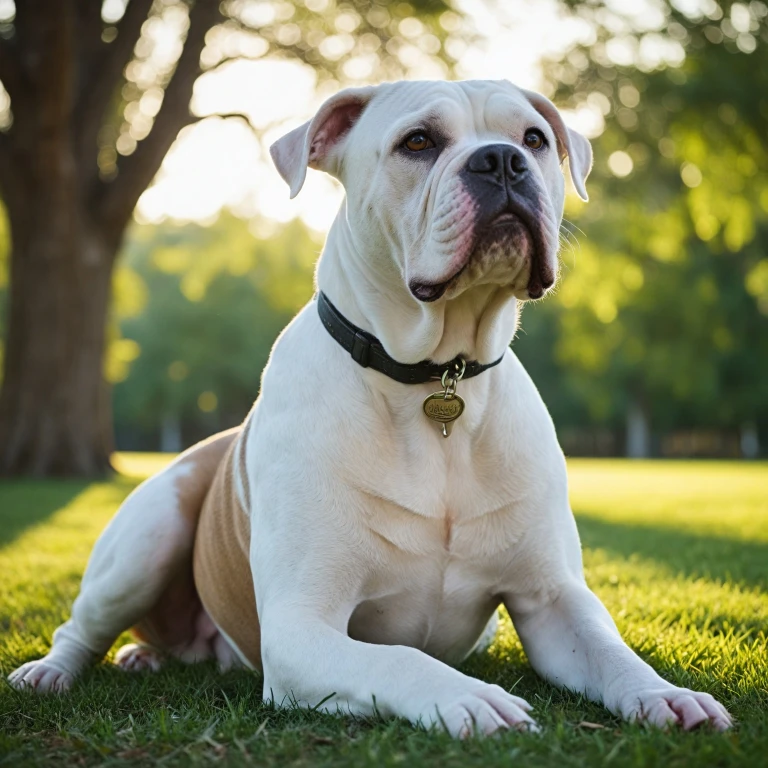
{"points": [[572, 641], [309, 660]]}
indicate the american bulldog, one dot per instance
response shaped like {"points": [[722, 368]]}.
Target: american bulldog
{"points": [[399, 477]]}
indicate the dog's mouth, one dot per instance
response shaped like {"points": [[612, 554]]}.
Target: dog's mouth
{"points": [[506, 219], [507, 231], [433, 291]]}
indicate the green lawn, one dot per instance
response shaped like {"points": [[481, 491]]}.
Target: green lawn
{"points": [[677, 551]]}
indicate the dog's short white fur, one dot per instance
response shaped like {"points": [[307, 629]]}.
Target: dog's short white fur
{"points": [[380, 551]]}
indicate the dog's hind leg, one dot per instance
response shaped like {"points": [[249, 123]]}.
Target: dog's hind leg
{"points": [[143, 556], [136, 657]]}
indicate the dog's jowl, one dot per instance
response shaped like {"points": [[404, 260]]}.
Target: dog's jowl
{"points": [[399, 477]]}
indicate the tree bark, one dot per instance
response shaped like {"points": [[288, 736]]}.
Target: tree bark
{"points": [[55, 416], [54, 409], [67, 222]]}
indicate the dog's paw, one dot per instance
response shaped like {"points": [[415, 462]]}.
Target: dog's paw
{"points": [[41, 676], [483, 711], [136, 658], [669, 706]]}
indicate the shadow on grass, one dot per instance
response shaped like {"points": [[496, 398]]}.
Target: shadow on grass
{"points": [[26, 503], [717, 558]]}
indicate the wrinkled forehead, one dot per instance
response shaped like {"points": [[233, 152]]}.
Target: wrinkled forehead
{"points": [[477, 109]]}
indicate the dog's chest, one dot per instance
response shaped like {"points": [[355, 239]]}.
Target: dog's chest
{"points": [[453, 501], [439, 604], [437, 561]]}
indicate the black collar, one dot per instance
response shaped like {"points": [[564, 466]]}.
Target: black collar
{"points": [[366, 350]]}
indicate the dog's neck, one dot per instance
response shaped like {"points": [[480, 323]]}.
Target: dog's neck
{"points": [[371, 293]]}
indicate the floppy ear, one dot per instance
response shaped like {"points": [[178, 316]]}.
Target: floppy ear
{"points": [[570, 143], [317, 143]]}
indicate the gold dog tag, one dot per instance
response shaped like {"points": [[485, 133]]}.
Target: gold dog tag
{"points": [[446, 406], [444, 409]]}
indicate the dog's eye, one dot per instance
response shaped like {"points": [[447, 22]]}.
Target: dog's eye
{"points": [[534, 138], [418, 142]]}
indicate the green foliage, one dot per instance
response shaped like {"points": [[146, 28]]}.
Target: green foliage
{"points": [[199, 309], [664, 299], [345, 43], [354, 40], [676, 551]]}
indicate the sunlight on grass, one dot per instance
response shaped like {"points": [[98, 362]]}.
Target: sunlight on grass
{"points": [[140, 465], [723, 498], [677, 551]]}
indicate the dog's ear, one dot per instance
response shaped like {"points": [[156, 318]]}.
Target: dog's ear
{"points": [[570, 143], [317, 143]]}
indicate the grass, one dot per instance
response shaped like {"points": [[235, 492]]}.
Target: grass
{"points": [[677, 551]]}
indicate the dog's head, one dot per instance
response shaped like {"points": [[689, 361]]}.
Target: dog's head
{"points": [[459, 181]]}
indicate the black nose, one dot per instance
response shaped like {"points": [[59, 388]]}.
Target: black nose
{"points": [[498, 161]]}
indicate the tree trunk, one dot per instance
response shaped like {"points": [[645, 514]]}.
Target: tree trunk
{"points": [[54, 407], [638, 431], [170, 434], [67, 221]]}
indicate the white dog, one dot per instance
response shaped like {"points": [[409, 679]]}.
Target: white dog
{"points": [[346, 547]]}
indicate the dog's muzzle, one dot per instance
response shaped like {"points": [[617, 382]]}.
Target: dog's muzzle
{"points": [[499, 178]]}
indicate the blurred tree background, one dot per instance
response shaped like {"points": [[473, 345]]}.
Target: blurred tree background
{"points": [[94, 94], [656, 341], [221, 295], [659, 333]]}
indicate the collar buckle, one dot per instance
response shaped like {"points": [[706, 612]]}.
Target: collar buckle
{"points": [[361, 350]]}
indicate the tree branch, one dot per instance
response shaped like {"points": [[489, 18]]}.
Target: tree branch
{"points": [[116, 55], [44, 38], [91, 46], [49, 46], [229, 59], [6, 164], [135, 172], [106, 65], [229, 116], [13, 180], [11, 73]]}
